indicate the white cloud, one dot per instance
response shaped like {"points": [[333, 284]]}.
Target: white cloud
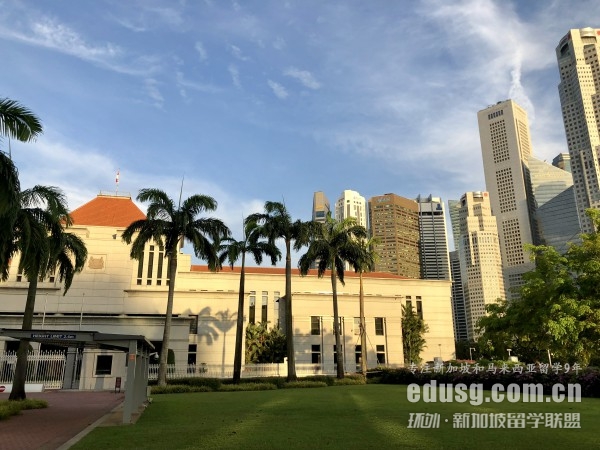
{"points": [[278, 89], [182, 82], [235, 75], [237, 53], [304, 77], [153, 92], [201, 51], [279, 43]]}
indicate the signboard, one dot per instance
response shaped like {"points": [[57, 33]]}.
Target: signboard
{"points": [[52, 336]]}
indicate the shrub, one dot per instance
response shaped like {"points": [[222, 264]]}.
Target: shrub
{"points": [[10, 408], [179, 388], [247, 387], [304, 384], [329, 381], [349, 381]]}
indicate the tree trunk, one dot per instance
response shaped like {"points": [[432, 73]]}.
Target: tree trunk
{"points": [[289, 329], [18, 389], [164, 353], [336, 325], [363, 329], [237, 360]]}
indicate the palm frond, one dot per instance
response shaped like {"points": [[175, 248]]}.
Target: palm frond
{"points": [[18, 122]]}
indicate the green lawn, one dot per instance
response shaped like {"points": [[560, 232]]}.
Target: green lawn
{"points": [[367, 416]]}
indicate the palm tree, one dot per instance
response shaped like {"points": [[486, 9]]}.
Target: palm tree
{"points": [[45, 248], [332, 244], [364, 263], [277, 223], [18, 122], [169, 225], [232, 250]]}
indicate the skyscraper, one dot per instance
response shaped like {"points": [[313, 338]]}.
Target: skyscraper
{"points": [[394, 220], [562, 161], [578, 55], [433, 239], [459, 318], [506, 148], [352, 204], [480, 260], [320, 207]]}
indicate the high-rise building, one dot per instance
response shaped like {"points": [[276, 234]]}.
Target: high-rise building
{"points": [[320, 207], [394, 220], [459, 317], [578, 55], [555, 209], [352, 204], [506, 148], [454, 211], [480, 260], [562, 161], [433, 239]]}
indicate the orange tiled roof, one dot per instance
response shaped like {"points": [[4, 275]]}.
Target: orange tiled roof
{"points": [[281, 271], [107, 211]]}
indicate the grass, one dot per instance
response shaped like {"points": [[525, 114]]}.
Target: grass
{"points": [[12, 408], [365, 416]]}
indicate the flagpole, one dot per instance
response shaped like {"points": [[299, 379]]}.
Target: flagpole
{"points": [[117, 182]]}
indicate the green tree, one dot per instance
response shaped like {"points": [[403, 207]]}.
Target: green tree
{"points": [[264, 345], [413, 335], [276, 223], [169, 225], [18, 122], [332, 244], [364, 263], [45, 248], [233, 250]]}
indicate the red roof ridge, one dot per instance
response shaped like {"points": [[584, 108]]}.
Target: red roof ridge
{"points": [[108, 210]]}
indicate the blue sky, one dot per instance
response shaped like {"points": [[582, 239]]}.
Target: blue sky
{"points": [[270, 100]]}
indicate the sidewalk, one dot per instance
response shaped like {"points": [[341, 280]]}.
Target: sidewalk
{"points": [[69, 413]]}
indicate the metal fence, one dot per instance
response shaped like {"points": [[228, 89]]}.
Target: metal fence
{"points": [[248, 371], [47, 368]]}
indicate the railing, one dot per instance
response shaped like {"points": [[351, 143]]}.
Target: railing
{"points": [[248, 370], [47, 368]]}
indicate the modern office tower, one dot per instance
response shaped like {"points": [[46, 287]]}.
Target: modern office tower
{"points": [[555, 208], [454, 211], [319, 213], [459, 318], [320, 207], [352, 204], [394, 220], [480, 260], [433, 239], [562, 161], [506, 148], [578, 55]]}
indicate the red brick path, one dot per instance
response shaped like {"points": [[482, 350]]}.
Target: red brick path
{"points": [[68, 413]]}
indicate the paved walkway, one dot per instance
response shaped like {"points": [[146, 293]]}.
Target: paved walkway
{"points": [[69, 414]]}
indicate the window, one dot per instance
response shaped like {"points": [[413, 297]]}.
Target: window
{"points": [[420, 309], [194, 325], [379, 326], [357, 326], [357, 354], [252, 311], [316, 354], [104, 364], [409, 304], [263, 309], [380, 354], [335, 353], [192, 349], [276, 297], [315, 325]]}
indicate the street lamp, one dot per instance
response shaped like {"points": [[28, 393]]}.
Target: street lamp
{"points": [[440, 346], [509, 350], [471, 353]]}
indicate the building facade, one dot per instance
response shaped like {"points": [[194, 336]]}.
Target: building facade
{"points": [[480, 259], [320, 207], [394, 221], [115, 294], [578, 55], [352, 204], [506, 149], [433, 239]]}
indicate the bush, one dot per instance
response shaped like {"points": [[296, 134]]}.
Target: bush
{"points": [[10, 408], [304, 384], [349, 381], [276, 381], [212, 383], [179, 388], [247, 387], [329, 381]]}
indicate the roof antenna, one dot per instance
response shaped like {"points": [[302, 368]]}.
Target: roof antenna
{"points": [[117, 181]]}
